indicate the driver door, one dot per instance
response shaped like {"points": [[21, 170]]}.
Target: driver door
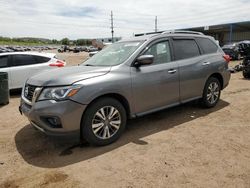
{"points": [[157, 85]]}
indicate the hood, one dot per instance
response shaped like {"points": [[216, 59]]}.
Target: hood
{"points": [[66, 75]]}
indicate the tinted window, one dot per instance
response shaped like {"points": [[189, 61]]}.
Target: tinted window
{"points": [[3, 61], [160, 51], [185, 48], [20, 60], [207, 45], [40, 59]]}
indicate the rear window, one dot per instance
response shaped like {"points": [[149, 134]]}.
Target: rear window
{"points": [[185, 48], [3, 61], [41, 59], [207, 45], [21, 60]]}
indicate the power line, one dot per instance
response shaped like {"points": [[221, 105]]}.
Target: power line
{"points": [[112, 27], [156, 24]]}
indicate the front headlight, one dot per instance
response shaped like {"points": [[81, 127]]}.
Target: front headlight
{"points": [[58, 93]]}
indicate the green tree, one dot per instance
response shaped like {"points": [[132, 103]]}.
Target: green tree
{"points": [[54, 41], [65, 41], [81, 42], [6, 39], [89, 42]]}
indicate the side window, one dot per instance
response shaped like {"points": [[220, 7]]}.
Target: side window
{"points": [[3, 61], [160, 51], [185, 48], [207, 45], [20, 60], [40, 59]]}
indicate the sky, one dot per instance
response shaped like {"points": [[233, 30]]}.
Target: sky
{"points": [[56, 19]]}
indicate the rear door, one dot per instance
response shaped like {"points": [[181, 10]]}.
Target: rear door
{"points": [[42, 63], [22, 67], [156, 85], [192, 67]]}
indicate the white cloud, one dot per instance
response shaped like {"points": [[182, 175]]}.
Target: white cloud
{"points": [[91, 18]]}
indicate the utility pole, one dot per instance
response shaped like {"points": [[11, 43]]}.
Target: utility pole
{"points": [[156, 24], [112, 27]]}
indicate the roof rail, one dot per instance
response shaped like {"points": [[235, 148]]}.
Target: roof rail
{"points": [[170, 32], [182, 31], [149, 33]]}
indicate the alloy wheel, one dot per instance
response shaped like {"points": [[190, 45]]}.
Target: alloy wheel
{"points": [[106, 122], [213, 92]]}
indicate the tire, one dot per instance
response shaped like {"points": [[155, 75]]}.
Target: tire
{"points": [[245, 74], [99, 130], [212, 87]]}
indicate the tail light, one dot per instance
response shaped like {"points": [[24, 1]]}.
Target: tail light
{"points": [[227, 58], [58, 63]]}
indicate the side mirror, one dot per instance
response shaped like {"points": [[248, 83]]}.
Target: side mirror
{"points": [[144, 60]]}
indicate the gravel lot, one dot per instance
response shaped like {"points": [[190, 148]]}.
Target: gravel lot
{"points": [[185, 146]]}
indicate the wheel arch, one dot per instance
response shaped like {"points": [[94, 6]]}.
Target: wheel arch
{"points": [[219, 77], [116, 96]]}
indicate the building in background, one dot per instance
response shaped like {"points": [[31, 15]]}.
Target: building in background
{"points": [[224, 33]]}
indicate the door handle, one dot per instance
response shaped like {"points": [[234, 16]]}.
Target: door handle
{"points": [[172, 71], [206, 63]]}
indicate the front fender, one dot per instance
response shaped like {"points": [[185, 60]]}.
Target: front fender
{"points": [[111, 83]]}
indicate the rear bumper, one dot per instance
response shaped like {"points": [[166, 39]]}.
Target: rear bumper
{"points": [[226, 78], [68, 112]]}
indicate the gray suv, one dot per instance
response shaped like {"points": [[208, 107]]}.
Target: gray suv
{"points": [[127, 79]]}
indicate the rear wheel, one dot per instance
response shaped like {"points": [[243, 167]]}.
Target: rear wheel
{"points": [[104, 121], [246, 74], [211, 93]]}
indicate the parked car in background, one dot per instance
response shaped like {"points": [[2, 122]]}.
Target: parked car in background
{"points": [[246, 67], [232, 50], [21, 65], [91, 49], [93, 53], [245, 50], [77, 49], [244, 47], [5, 49], [63, 48], [127, 79]]}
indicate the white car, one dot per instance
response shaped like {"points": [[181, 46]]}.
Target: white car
{"points": [[22, 65]]}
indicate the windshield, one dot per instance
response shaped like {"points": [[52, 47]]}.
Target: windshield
{"points": [[114, 54]]}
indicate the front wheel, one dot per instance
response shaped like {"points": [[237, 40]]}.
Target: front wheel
{"points": [[211, 93], [104, 121]]}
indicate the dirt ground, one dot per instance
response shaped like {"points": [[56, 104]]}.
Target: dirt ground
{"points": [[185, 146], [72, 58]]}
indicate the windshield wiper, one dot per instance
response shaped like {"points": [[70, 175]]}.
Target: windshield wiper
{"points": [[89, 65]]}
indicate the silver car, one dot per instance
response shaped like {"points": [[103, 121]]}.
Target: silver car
{"points": [[127, 79]]}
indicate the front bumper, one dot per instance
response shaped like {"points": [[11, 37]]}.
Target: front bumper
{"points": [[68, 112]]}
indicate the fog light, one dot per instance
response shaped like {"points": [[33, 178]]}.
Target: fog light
{"points": [[53, 122]]}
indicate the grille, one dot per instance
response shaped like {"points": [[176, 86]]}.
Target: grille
{"points": [[29, 92]]}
